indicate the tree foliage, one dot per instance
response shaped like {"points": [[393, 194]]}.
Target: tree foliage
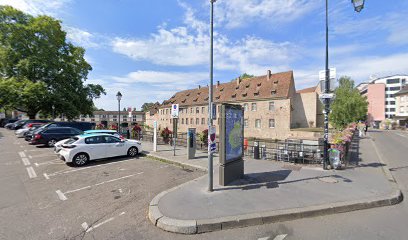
{"points": [[39, 68], [348, 106], [146, 106], [244, 76]]}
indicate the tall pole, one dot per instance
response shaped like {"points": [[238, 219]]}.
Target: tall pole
{"points": [[326, 100], [119, 117], [210, 99]]}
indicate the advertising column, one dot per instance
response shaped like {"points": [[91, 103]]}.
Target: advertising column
{"points": [[231, 144]]}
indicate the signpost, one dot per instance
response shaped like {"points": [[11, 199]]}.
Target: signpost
{"points": [[174, 115], [322, 79], [155, 136]]}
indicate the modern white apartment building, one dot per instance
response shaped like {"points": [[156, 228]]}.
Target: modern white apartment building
{"points": [[386, 90]]}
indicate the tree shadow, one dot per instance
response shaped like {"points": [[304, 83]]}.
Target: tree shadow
{"points": [[272, 180]]}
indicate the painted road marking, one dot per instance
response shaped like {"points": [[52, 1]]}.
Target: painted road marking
{"points": [[46, 176], [279, 237], [31, 172], [22, 154], [88, 229], [26, 162], [402, 135], [55, 161], [85, 168], [101, 183], [30, 157], [61, 196]]}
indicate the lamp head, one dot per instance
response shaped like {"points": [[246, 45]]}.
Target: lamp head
{"points": [[119, 96], [358, 5]]}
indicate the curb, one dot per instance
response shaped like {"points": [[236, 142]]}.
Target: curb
{"points": [[196, 226], [180, 164]]}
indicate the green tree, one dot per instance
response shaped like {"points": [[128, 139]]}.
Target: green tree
{"points": [[40, 69], [244, 76], [348, 106], [146, 106]]}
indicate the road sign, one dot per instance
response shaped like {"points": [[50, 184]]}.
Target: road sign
{"points": [[154, 124], [322, 74], [213, 112], [326, 96], [212, 145], [174, 110]]}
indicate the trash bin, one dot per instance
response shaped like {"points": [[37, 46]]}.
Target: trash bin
{"points": [[335, 158], [256, 149]]}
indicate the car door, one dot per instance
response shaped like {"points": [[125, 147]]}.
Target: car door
{"points": [[114, 146], [95, 147]]}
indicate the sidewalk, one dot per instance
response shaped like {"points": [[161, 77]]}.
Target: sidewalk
{"points": [[270, 192]]}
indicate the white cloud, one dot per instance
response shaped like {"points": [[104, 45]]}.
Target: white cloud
{"points": [[81, 37], [37, 7], [240, 13], [145, 86], [188, 46], [182, 80]]}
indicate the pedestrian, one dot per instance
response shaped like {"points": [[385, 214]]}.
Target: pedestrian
{"points": [[127, 133], [365, 129]]}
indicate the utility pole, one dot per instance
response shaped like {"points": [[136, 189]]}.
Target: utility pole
{"points": [[210, 98]]}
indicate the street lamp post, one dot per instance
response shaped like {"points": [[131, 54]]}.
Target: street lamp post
{"points": [[119, 97], [210, 98], [358, 6]]}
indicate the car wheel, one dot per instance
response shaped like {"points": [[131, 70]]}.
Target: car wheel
{"points": [[80, 159], [51, 142], [133, 151]]}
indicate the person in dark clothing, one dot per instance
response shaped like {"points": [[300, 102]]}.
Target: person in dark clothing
{"points": [[365, 129]]}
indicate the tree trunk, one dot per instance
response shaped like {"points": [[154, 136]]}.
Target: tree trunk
{"points": [[31, 114]]}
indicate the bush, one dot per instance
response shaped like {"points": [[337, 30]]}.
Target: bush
{"points": [[203, 136], [165, 134]]}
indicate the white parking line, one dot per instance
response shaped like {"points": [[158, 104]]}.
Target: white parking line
{"points": [[61, 195], [88, 229], [22, 154], [85, 168], [31, 172], [279, 237], [55, 161], [26, 162], [46, 176], [30, 157], [402, 135], [101, 183]]}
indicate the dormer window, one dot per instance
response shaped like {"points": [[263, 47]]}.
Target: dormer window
{"points": [[244, 94], [256, 93], [188, 94], [237, 87], [259, 84], [234, 95], [247, 86], [273, 92], [276, 81], [195, 100], [183, 100], [217, 97], [222, 89]]}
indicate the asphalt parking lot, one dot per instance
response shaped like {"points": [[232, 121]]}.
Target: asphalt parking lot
{"points": [[43, 198]]}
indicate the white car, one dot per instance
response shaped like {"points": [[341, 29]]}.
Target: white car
{"points": [[58, 145], [83, 148]]}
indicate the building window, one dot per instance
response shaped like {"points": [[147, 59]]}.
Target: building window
{"points": [[202, 109], [187, 121], [257, 123], [246, 123], [170, 121], [271, 123], [271, 106], [191, 110], [403, 81], [191, 120], [392, 109], [181, 110], [197, 121], [394, 80], [92, 119], [253, 106], [245, 106], [202, 121], [197, 110], [115, 120], [395, 88], [392, 102], [182, 121], [401, 109]]}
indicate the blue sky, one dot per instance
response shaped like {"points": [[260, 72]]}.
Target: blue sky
{"points": [[148, 50]]}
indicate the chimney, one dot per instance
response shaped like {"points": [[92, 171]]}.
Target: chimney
{"points": [[238, 80], [268, 75], [199, 86], [218, 83]]}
